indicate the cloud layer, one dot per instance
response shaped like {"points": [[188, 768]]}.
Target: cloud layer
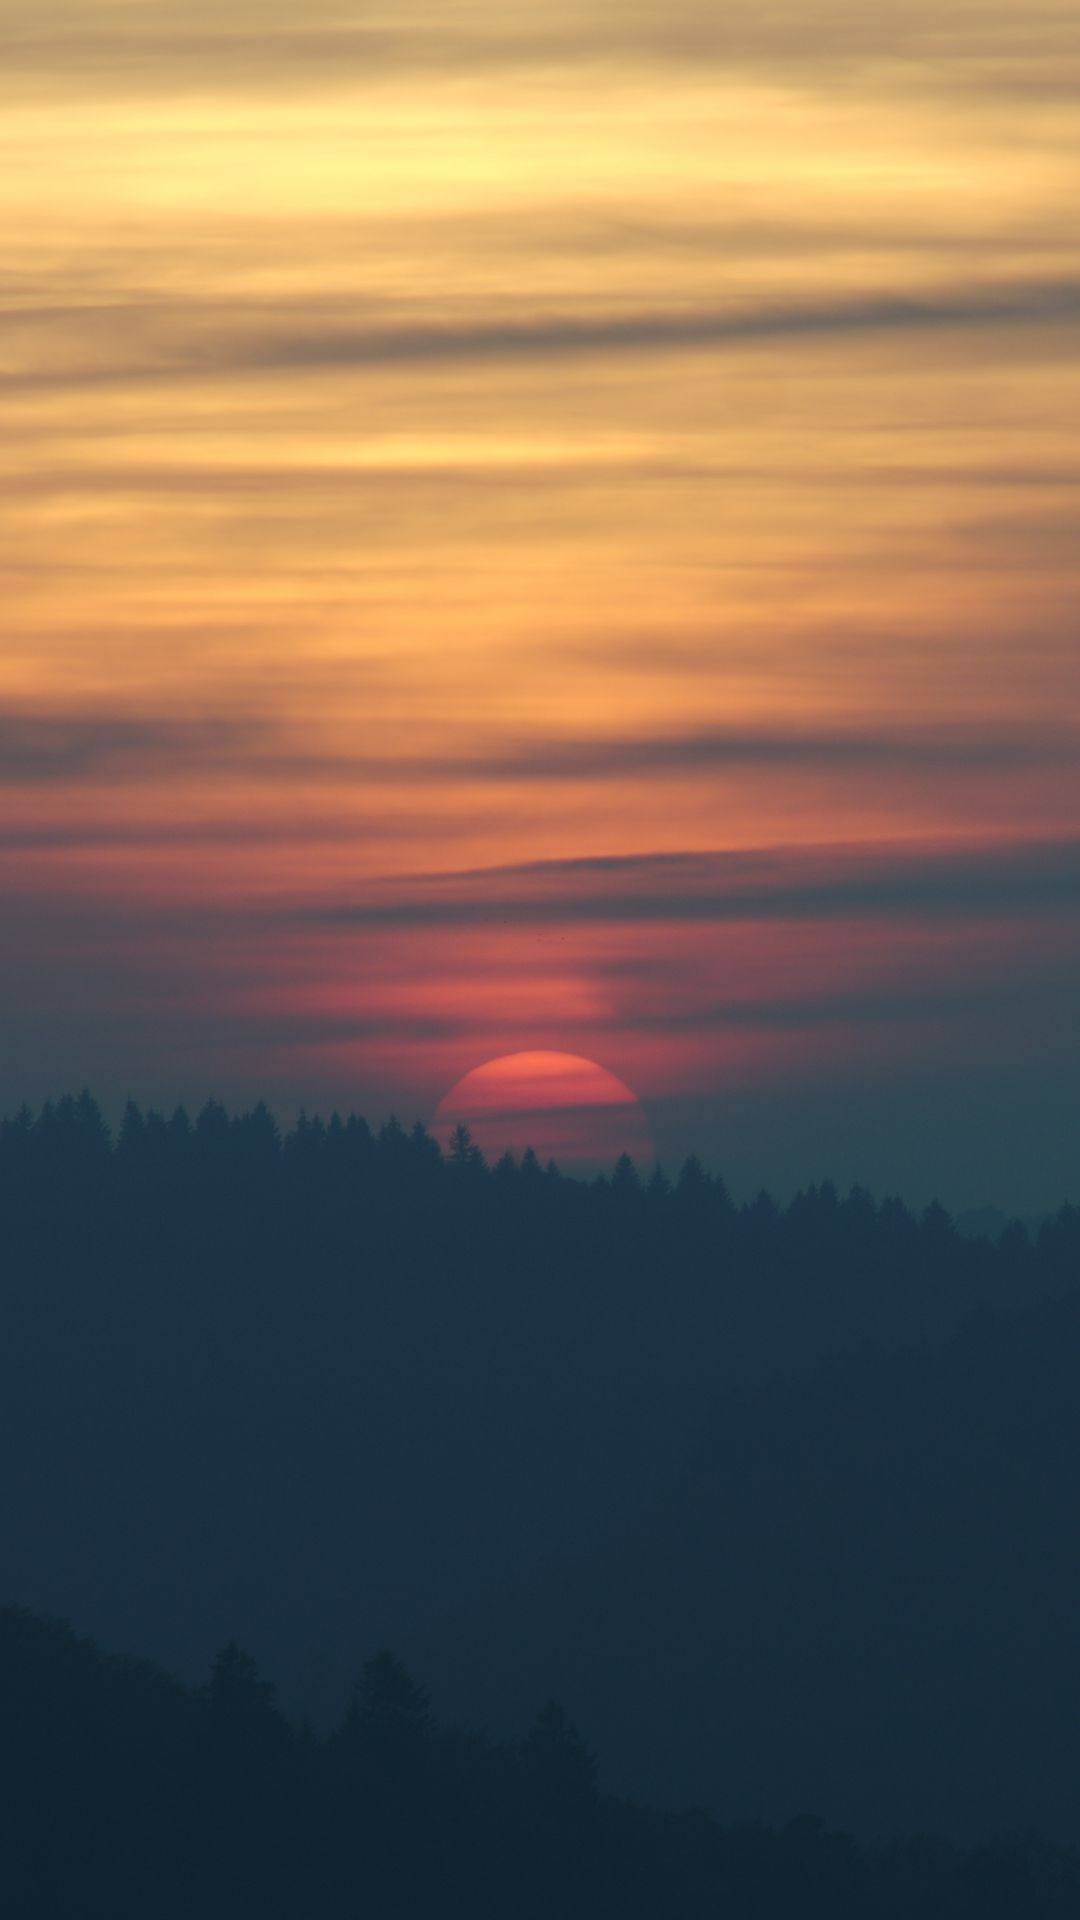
{"points": [[802, 882], [256, 45], [549, 527], [327, 346]]}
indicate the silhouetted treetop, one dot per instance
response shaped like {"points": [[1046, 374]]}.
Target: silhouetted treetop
{"points": [[393, 1713], [124, 1794], [237, 1689], [332, 1381], [227, 1178], [558, 1765]]}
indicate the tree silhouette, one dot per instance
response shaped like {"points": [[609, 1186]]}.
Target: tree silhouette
{"points": [[465, 1155], [238, 1693], [393, 1713], [558, 1765], [264, 1373]]}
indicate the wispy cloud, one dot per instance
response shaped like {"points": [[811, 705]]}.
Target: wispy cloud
{"points": [[777, 883], [60, 748], [92, 836], [721, 747], [650, 331], [41, 747], [958, 1002], [325, 345], [268, 43]]}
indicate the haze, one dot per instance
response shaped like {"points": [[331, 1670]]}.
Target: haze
{"points": [[550, 529]]}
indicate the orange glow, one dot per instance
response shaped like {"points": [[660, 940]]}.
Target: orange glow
{"points": [[460, 467]]}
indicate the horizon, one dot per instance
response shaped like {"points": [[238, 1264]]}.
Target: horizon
{"points": [[590, 1169], [551, 530]]}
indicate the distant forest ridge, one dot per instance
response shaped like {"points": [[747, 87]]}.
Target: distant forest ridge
{"points": [[72, 1134], [126, 1793], [779, 1501]]}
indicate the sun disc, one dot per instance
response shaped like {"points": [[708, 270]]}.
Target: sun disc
{"points": [[563, 1106]]}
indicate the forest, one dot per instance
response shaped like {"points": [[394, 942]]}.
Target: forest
{"points": [[125, 1794], [776, 1500]]}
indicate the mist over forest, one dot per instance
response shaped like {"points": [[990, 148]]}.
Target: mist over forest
{"points": [[777, 1503]]}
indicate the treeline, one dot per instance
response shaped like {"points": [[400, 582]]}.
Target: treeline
{"points": [[345, 1173], [803, 1472], [339, 1200], [124, 1793]]}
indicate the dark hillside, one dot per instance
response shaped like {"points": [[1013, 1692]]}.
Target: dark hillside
{"points": [[314, 1392], [864, 1600], [123, 1794]]}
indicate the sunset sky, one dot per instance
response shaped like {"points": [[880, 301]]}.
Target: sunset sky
{"points": [[544, 527]]}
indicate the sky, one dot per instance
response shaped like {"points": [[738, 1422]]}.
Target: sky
{"points": [[541, 528]]}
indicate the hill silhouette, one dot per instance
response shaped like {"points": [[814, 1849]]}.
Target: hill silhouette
{"points": [[776, 1499], [862, 1600], [124, 1793]]}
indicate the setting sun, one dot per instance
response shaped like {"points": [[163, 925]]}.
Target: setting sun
{"points": [[564, 1107]]}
